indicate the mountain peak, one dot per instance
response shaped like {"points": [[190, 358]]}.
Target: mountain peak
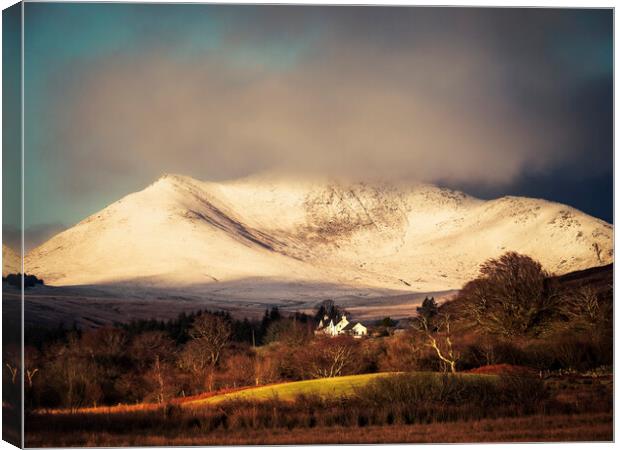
{"points": [[174, 178], [277, 227]]}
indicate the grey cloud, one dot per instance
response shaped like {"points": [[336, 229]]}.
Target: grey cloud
{"points": [[375, 96], [34, 235]]}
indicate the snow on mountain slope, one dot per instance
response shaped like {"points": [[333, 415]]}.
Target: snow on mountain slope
{"points": [[174, 231], [180, 231], [11, 262]]}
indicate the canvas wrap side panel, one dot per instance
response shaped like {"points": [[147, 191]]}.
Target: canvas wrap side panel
{"points": [[12, 293]]}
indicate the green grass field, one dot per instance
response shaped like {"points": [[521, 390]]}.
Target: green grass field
{"points": [[325, 387]]}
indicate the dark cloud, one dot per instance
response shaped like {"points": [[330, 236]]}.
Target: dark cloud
{"points": [[459, 96]]}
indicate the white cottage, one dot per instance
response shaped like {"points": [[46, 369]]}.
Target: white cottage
{"points": [[356, 330]]}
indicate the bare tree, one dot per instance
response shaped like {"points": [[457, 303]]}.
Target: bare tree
{"points": [[147, 347], [11, 356], [402, 352], [263, 369], [31, 362], [156, 375], [153, 352], [210, 333], [438, 337], [289, 333], [213, 333], [238, 367], [13, 371], [513, 296], [587, 310], [486, 344], [196, 361], [106, 342], [74, 365], [331, 357]]}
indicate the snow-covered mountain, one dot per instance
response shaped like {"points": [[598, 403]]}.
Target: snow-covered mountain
{"points": [[11, 262], [180, 232]]}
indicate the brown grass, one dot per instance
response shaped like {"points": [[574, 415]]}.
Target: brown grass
{"points": [[557, 428], [135, 407], [504, 369], [417, 407]]}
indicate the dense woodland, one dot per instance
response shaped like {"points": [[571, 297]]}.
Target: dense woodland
{"points": [[513, 313]]}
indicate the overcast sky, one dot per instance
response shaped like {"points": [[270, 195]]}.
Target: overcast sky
{"points": [[492, 101]]}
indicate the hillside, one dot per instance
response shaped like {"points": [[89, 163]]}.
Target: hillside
{"points": [[599, 279], [333, 387], [273, 230], [10, 261]]}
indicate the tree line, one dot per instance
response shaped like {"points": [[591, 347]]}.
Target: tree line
{"points": [[513, 313]]}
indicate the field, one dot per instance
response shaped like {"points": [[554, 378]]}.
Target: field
{"points": [[575, 409], [95, 306], [324, 387], [557, 428]]}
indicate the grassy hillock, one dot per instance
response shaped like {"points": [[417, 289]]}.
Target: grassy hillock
{"points": [[335, 387], [324, 387]]}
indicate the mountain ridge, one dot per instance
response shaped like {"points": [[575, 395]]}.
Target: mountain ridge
{"points": [[418, 237]]}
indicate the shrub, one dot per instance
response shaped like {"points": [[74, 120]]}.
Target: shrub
{"points": [[400, 353], [476, 393], [15, 279], [568, 352]]}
